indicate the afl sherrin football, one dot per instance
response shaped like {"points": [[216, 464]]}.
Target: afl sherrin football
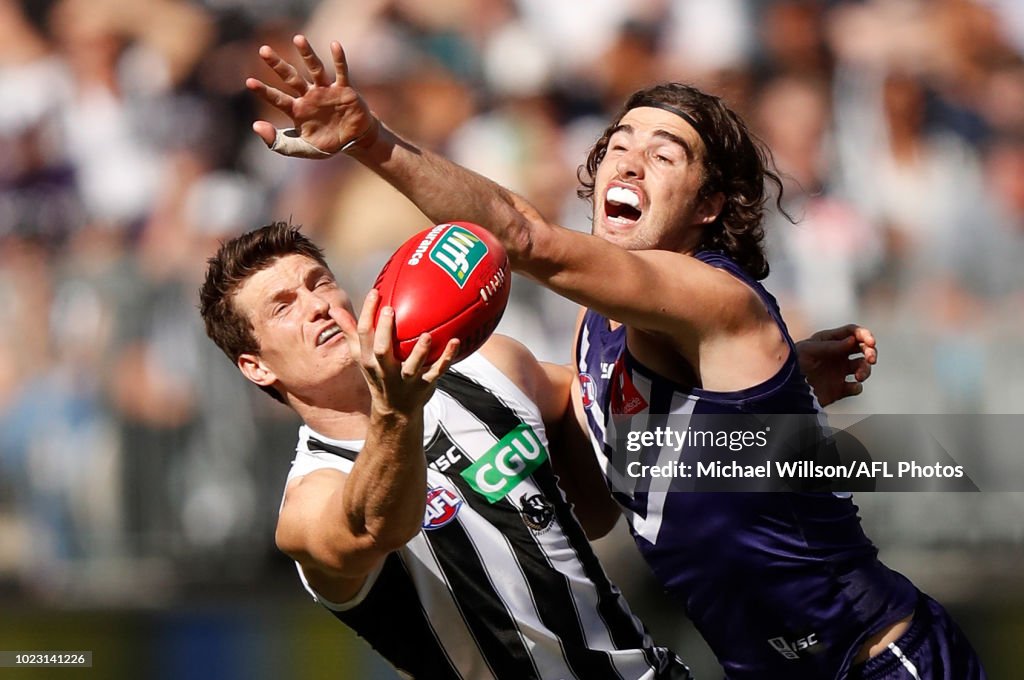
{"points": [[452, 281]]}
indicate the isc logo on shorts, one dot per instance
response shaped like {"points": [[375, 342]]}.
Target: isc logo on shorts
{"points": [[442, 507], [458, 251], [791, 648]]}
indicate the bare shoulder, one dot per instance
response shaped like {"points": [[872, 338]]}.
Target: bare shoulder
{"points": [[516, 362], [512, 358], [546, 384]]}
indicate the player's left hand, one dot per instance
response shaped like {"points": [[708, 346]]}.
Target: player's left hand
{"points": [[828, 357], [328, 114]]}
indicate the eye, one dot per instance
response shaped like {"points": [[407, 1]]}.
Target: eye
{"points": [[324, 281]]}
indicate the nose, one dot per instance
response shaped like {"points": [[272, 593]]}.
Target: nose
{"points": [[316, 306], [630, 164]]}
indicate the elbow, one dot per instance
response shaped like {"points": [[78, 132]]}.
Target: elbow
{"points": [[518, 225], [346, 556], [355, 557], [393, 540], [385, 537], [532, 248], [520, 241]]}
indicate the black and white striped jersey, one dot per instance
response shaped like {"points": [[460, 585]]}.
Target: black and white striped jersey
{"points": [[501, 582]]}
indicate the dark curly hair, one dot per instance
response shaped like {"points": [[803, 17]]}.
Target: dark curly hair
{"points": [[736, 163], [235, 261]]}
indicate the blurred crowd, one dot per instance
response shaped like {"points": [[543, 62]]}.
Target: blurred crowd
{"points": [[133, 458]]}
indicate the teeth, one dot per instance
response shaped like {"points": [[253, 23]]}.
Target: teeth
{"points": [[327, 335], [623, 196]]}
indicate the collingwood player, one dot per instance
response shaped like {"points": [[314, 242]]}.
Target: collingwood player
{"points": [[421, 507], [781, 585]]}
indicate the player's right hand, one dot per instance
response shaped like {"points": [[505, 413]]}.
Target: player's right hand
{"points": [[400, 386], [328, 115]]}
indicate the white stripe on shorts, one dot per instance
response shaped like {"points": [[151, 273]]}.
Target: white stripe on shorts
{"points": [[907, 663]]}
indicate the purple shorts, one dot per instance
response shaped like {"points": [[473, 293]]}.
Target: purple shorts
{"points": [[933, 648]]}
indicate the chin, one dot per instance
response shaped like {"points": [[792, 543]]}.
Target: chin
{"points": [[628, 239]]}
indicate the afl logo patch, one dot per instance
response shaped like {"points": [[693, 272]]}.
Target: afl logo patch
{"points": [[537, 512], [588, 390], [442, 507]]}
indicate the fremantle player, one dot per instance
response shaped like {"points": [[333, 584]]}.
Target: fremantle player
{"points": [[421, 507], [780, 585]]}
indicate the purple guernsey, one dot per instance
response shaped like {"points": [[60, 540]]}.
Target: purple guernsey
{"points": [[780, 585]]}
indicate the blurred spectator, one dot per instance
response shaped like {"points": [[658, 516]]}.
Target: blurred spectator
{"points": [[820, 264]]}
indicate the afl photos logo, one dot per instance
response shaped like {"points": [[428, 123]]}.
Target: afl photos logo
{"points": [[442, 507]]}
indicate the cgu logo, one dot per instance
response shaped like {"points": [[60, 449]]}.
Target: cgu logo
{"points": [[442, 507], [514, 458], [458, 252]]}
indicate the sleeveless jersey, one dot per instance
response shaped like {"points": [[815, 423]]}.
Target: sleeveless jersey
{"points": [[501, 582], [780, 585]]}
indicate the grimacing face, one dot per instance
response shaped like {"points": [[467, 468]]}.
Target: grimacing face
{"points": [[300, 317], [647, 184]]}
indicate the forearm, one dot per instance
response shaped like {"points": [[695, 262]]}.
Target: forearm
{"points": [[445, 191], [383, 499]]}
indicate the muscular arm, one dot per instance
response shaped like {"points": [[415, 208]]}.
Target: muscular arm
{"points": [[616, 282], [329, 115], [338, 526]]}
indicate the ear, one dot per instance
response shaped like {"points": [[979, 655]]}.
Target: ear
{"points": [[253, 368], [711, 207]]}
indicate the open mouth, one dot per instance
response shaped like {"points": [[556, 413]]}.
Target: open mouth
{"points": [[622, 205], [327, 334]]}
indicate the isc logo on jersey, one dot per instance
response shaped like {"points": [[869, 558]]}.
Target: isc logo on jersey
{"points": [[458, 251], [498, 472], [442, 507]]}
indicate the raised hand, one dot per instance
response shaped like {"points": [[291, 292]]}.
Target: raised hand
{"points": [[400, 386], [829, 356], [328, 115]]}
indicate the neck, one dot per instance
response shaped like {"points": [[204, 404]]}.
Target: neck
{"points": [[348, 417]]}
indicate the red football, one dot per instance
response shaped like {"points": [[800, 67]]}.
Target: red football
{"points": [[451, 281]]}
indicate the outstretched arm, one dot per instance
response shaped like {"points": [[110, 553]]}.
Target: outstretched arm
{"points": [[329, 116], [340, 527], [829, 356]]}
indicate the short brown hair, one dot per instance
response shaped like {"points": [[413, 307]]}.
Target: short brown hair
{"points": [[736, 163], [235, 261]]}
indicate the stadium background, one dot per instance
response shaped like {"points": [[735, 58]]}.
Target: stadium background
{"points": [[140, 476]]}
